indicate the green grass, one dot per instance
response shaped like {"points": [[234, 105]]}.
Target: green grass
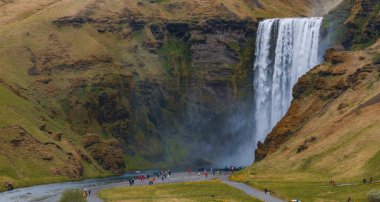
{"points": [[189, 191], [308, 191], [72, 195], [373, 165]]}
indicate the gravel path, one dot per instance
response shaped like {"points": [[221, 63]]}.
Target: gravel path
{"points": [[250, 190], [185, 177]]}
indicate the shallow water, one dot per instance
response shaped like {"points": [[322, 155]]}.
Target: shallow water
{"points": [[52, 192]]}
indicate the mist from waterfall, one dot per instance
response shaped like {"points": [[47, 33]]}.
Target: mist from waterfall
{"points": [[285, 50]]}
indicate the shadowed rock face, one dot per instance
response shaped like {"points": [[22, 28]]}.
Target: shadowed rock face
{"points": [[356, 23], [204, 80]]}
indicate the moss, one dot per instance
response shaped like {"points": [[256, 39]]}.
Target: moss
{"points": [[176, 57]]}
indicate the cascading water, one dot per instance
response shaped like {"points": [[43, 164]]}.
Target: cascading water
{"points": [[285, 50]]}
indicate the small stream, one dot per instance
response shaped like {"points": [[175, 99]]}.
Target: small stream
{"points": [[52, 192]]}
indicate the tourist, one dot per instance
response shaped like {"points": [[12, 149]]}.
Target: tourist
{"points": [[364, 181], [189, 171], [206, 174], [130, 182], [150, 181], [265, 191], [89, 192]]}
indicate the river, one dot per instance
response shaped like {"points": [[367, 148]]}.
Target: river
{"points": [[52, 192]]}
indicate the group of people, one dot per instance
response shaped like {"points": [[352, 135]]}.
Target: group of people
{"points": [[368, 182], [163, 174]]}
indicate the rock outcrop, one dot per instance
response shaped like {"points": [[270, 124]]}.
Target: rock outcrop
{"points": [[107, 153], [354, 24]]}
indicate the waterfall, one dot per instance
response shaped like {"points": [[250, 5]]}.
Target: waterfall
{"points": [[285, 50]]}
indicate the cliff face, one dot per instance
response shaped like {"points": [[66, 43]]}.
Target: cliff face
{"points": [[353, 24]]}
